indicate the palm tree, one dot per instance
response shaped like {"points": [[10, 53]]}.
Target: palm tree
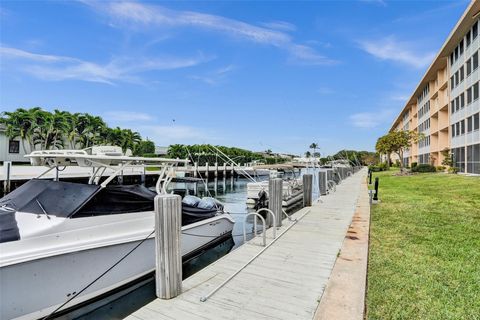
{"points": [[19, 123], [308, 154], [314, 146]]}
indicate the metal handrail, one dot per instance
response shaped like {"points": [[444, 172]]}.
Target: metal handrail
{"points": [[331, 183], [254, 227], [273, 217]]}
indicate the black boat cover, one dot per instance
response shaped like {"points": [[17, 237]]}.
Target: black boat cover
{"points": [[56, 198], [53, 198], [117, 199]]}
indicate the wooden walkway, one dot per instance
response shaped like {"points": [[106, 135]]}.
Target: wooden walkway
{"points": [[285, 282]]}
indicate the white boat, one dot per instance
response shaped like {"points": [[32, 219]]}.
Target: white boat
{"points": [[61, 240], [252, 172]]}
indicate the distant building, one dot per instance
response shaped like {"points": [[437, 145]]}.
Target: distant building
{"points": [[161, 151], [445, 105], [12, 149]]}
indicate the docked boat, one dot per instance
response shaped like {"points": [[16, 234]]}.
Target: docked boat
{"points": [[65, 244], [257, 193]]}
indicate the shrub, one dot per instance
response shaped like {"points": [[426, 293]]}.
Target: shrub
{"points": [[441, 168], [414, 164], [424, 168], [379, 167], [453, 170]]}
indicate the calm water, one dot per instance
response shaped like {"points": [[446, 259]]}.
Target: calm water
{"points": [[233, 194]]}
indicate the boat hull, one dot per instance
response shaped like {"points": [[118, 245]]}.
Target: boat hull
{"points": [[33, 289]]}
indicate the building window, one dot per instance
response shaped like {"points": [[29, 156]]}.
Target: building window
{"points": [[475, 30], [473, 158], [469, 67], [14, 146], [469, 95], [475, 91], [468, 38], [469, 124], [476, 121], [462, 74], [475, 61], [462, 127], [459, 158], [462, 100], [461, 47]]}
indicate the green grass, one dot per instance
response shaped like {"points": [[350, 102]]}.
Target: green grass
{"points": [[424, 260]]}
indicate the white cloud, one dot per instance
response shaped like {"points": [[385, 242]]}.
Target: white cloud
{"points": [[156, 17], [368, 120], [390, 48], [124, 69], [216, 76], [280, 25], [127, 116]]}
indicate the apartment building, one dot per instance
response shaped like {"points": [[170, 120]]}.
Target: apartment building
{"points": [[445, 106]]}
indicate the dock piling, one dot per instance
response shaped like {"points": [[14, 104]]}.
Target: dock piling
{"points": [[206, 170], [307, 190], [195, 169], [322, 182], [275, 195], [168, 275], [7, 167]]}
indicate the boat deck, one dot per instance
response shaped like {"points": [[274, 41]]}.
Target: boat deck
{"points": [[285, 282]]}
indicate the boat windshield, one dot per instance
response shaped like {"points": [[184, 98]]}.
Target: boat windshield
{"points": [[54, 198]]}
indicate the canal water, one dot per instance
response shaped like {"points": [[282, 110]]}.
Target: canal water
{"points": [[233, 194]]}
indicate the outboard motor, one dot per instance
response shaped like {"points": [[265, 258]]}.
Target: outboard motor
{"points": [[262, 200]]}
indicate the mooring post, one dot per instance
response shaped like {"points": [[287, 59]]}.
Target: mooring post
{"points": [[195, 169], [322, 182], [275, 197], [56, 173], [375, 196], [7, 172], [168, 257], [224, 170], [143, 176], [307, 189], [206, 170], [232, 170], [369, 176], [216, 169]]}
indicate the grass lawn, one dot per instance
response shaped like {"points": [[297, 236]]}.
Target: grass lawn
{"points": [[424, 260]]}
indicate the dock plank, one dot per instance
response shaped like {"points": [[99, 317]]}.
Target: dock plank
{"points": [[285, 282]]}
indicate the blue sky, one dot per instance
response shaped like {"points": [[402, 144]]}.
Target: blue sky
{"points": [[258, 75]]}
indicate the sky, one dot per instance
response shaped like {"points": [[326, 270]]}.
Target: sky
{"points": [[259, 75]]}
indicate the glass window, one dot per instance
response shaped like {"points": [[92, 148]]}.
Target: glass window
{"points": [[462, 127], [451, 58], [476, 121], [462, 74], [468, 38], [457, 103], [462, 100], [451, 83], [475, 91], [475, 61], [469, 95], [457, 128], [475, 30], [14, 146], [452, 106], [469, 124], [461, 47], [469, 67], [453, 130], [457, 78], [456, 53]]}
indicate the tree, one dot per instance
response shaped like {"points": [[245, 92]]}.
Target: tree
{"points": [[447, 157], [144, 147], [19, 124], [308, 154], [397, 142], [314, 147]]}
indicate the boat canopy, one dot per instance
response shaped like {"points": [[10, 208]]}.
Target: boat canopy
{"points": [[57, 198]]}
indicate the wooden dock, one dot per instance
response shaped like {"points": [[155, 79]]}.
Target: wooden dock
{"points": [[285, 282]]}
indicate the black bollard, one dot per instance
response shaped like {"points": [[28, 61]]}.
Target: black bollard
{"points": [[370, 176], [375, 196]]}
